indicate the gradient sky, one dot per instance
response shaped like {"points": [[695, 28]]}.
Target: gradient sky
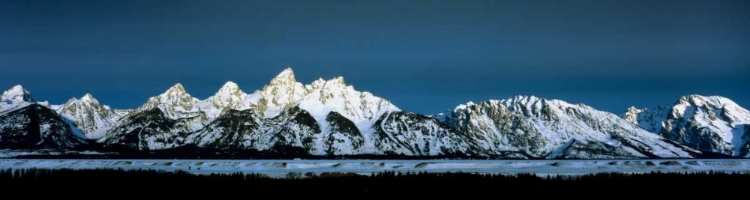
{"points": [[425, 56]]}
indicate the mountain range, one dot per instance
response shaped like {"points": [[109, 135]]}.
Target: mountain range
{"points": [[331, 118]]}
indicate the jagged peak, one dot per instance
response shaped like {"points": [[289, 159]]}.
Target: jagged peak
{"points": [[71, 100], [519, 102], [633, 109], [17, 88], [338, 80], [283, 89], [631, 115], [228, 95], [174, 95], [316, 84], [88, 98], [177, 87], [712, 105], [18, 93], [285, 80], [230, 88], [175, 90], [525, 99], [699, 100], [464, 106], [287, 74]]}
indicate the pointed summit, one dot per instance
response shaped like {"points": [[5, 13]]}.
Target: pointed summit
{"points": [[175, 94], [632, 115], [229, 88], [287, 73], [176, 88], [286, 77], [88, 98], [283, 90], [90, 118], [17, 93], [175, 103], [228, 97]]}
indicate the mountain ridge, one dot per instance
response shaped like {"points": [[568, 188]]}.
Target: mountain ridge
{"points": [[331, 118], [708, 123]]}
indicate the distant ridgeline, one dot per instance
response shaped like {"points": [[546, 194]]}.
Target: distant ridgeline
{"points": [[328, 118]]}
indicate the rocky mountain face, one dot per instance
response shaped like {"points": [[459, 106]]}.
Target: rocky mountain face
{"points": [[15, 98], [162, 122], [531, 127], [706, 123], [25, 124], [329, 117], [88, 116], [405, 133], [17, 94], [229, 97], [246, 129], [338, 120], [282, 92]]}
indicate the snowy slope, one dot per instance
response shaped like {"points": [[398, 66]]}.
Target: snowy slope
{"points": [[88, 116], [244, 130], [707, 123], [329, 117], [15, 98], [163, 122], [36, 126], [24, 124], [175, 103], [344, 120], [361, 108], [228, 97], [334, 105], [405, 133], [17, 93], [527, 126]]}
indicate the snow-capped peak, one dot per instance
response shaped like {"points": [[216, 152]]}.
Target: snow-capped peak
{"points": [[525, 99], [90, 118], [175, 103], [632, 114], [89, 98], [706, 123], [228, 88], [229, 96], [228, 93], [362, 108], [714, 105], [176, 90], [546, 128], [464, 106], [17, 93], [287, 73], [528, 105], [284, 90]]}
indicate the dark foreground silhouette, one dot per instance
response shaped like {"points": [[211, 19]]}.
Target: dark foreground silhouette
{"points": [[126, 181]]}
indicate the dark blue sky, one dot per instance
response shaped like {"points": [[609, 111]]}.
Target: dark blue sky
{"points": [[425, 56]]}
